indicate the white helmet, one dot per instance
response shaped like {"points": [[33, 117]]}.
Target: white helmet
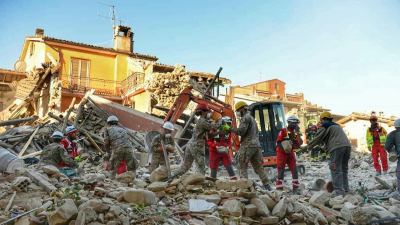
{"points": [[70, 129], [168, 125], [293, 119], [226, 119], [112, 119], [57, 134], [397, 123]]}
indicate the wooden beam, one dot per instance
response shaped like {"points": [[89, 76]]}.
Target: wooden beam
{"points": [[71, 107], [28, 142], [18, 121]]}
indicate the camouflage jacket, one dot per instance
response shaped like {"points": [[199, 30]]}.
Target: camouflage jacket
{"points": [[156, 144], [248, 132], [116, 137], [55, 154], [200, 131]]}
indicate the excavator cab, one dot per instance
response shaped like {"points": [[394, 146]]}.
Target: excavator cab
{"points": [[270, 118]]}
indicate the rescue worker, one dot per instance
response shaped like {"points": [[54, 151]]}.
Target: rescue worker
{"points": [[219, 145], [250, 147], [116, 141], [310, 134], [69, 141], [164, 138], [339, 148], [288, 141], [55, 153], [393, 143], [376, 138], [195, 149]]}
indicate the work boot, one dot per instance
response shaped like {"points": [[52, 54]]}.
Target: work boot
{"points": [[279, 184], [336, 193], [377, 174]]}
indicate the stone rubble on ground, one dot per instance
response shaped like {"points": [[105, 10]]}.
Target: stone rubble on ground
{"points": [[147, 198]]}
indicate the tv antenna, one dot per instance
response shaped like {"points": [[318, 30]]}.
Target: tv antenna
{"points": [[112, 16]]}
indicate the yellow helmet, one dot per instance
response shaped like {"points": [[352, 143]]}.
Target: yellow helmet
{"points": [[240, 105], [325, 115]]}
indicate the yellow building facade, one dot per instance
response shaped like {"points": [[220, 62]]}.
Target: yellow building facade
{"points": [[113, 72]]}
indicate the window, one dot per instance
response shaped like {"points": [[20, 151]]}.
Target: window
{"points": [[257, 118], [79, 73], [266, 120], [32, 50]]}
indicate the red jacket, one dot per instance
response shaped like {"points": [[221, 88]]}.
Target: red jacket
{"points": [[289, 134], [71, 147], [214, 143]]}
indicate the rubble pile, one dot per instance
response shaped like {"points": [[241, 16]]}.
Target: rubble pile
{"points": [[94, 198], [165, 87]]}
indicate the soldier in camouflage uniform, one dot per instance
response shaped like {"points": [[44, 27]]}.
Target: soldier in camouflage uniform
{"points": [[116, 140], [55, 153], [250, 147], [196, 145], [165, 138]]}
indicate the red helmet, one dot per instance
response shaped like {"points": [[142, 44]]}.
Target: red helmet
{"points": [[202, 107]]}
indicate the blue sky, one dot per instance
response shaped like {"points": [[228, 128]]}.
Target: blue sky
{"points": [[343, 55]]}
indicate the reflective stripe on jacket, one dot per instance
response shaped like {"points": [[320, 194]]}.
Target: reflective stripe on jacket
{"points": [[370, 136]]}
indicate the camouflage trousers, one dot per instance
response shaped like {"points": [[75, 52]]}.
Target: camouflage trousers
{"points": [[157, 159], [254, 156], [123, 154], [193, 153]]}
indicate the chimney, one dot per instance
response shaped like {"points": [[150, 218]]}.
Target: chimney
{"points": [[123, 39], [39, 32]]}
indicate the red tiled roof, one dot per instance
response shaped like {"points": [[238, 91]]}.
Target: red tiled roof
{"points": [[138, 55]]}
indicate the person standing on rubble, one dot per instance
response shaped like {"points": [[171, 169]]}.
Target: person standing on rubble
{"points": [[55, 153], [376, 138], [219, 145], [69, 141], [250, 147], [393, 143], [195, 149], [310, 134], [288, 141], [163, 139], [339, 148], [116, 142]]}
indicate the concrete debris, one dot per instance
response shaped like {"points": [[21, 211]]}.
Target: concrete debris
{"points": [[165, 87], [64, 213], [232, 207], [137, 196]]}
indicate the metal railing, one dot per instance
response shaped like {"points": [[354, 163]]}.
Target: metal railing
{"points": [[133, 82], [102, 86]]}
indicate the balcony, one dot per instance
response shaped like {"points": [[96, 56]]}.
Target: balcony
{"points": [[132, 83], [81, 85]]}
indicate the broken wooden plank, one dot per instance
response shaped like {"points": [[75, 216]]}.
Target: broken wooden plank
{"points": [[8, 207], [18, 121], [32, 154], [94, 144], [28, 142], [81, 107], [40, 180], [69, 110]]}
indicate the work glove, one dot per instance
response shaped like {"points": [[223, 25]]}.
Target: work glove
{"points": [[78, 158]]}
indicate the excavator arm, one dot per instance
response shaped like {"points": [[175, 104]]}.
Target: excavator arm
{"points": [[186, 96]]}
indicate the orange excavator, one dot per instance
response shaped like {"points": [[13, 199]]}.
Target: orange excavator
{"points": [[270, 118]]}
